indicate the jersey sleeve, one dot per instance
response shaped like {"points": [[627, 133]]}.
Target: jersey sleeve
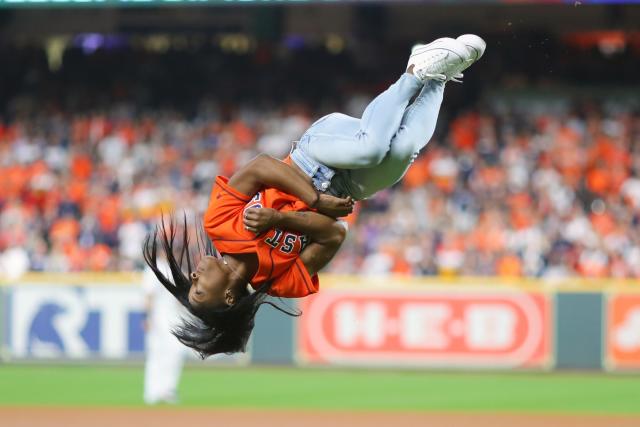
{"points": [[223, 219], [295, 282]]}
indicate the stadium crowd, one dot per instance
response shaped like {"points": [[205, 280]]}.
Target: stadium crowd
{"points": [[495, 193], [90, 152]]}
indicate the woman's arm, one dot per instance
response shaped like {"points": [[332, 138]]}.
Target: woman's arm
{"points": [[316, 256], [265, 171], [320, 228], [326, 236], [326, 233]]}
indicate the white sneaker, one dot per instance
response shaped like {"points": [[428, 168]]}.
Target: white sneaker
{"points": [[441, 60], [475, 47]]}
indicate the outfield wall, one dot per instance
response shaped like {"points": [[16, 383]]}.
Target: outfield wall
{"points": [[467, 323]]}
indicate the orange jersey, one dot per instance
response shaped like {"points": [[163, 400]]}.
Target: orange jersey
{"points": [[277, 250]]}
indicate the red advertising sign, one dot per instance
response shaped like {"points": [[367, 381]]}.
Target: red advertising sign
{"points": [[431, 327], [623, 331]]}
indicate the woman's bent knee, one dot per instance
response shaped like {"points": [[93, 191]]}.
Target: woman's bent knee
{"points": [[374, 150]]}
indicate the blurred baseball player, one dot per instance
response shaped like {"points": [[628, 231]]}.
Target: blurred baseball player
{"points": [[165, 355], [273, 222]]}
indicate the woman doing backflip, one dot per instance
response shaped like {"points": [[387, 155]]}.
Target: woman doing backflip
{"points": [[273, 222]]}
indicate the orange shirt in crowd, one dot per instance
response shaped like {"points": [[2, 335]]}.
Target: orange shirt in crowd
{"points": [[568, 156], [509, 265], [99, 257], [593, 268], [109, 214], [599, 180], [603, 224], [418, 173], [464, 131], [81, 167], [277, 250], [65, 229]]}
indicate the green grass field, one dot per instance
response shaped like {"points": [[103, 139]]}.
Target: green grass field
{"points": [[329, 389]]}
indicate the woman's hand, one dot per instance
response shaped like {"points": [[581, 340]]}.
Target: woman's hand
{"points": [[258, 220], [334, 207]]}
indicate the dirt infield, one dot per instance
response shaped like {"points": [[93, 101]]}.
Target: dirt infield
{"points": [[170, 417]]}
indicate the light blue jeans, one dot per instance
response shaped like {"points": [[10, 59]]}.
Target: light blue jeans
{"points": [[353, 157]]}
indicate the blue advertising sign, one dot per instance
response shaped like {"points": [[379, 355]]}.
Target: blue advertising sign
{"points": [[74, 322]]}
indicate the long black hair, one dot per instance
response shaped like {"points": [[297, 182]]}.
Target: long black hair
{"points": [[210, 331]]}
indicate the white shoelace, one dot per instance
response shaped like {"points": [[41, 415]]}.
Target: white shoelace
{"points": [[457, 78], [426, 76], [440, 58], [440, 77]]}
